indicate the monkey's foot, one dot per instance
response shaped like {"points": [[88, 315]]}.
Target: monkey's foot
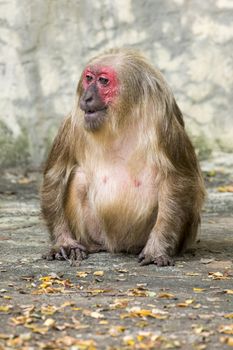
{"points": [[70, 253], [162, 260]]}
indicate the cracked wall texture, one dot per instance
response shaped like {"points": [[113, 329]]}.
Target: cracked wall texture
{"points": [[44, 45]]}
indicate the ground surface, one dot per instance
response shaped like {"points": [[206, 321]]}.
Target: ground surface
{"points": [[109, 302]]}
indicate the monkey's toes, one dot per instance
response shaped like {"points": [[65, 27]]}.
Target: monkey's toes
{"points": [[164, 260], [69, 253], [144, 259]]}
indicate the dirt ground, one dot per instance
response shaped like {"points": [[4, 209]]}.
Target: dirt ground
{"points": [[110, 302]]}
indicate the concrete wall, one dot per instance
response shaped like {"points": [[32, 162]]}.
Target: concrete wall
{"points": [[44, 45]]}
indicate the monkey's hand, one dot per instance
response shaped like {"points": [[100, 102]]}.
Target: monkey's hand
{"points": [[70, 252], [151, 256]]}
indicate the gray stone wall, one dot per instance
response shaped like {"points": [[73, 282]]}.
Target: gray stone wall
{"points": [[44, 45]]}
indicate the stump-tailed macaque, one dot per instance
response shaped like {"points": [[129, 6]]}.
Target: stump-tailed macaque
{"points": [[122, 175]]}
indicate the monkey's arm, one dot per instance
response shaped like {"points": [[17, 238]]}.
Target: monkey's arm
{"points": [[60, 162], [177, 221]]}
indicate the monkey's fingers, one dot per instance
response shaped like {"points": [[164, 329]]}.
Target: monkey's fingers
{"points": [[78, 246], [164, 260], [76, 256], [50, 255], [144, 260], [64, 254], [141, 256]]}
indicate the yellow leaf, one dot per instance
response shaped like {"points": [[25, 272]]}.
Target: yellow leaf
{"points": [[82, 274], [228, 315], [192, 274], [226, 329], [48, 310], [218, 276], [98, 273], [116, 330], [103, 322], [5, 308], [166, 296], [50, 322], [228, 188], [228, 291], [122, 270], [227, 340], [137, 312], [20, 320], [119, 304], [36, 329], [25, 180], [67, 303], [137, 292], [98, 291], [198, 290], [96, 314], [128, 340], [5, 336]]}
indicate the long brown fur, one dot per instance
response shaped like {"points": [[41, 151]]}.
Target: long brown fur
{"points": [[135, 184]]}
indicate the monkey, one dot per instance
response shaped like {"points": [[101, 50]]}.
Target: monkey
{"points": [[122, 174]]}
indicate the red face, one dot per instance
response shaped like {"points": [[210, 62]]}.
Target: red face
{"points": [[105, 80]]}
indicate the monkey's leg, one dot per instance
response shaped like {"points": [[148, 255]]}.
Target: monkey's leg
{"points": [[66, 229], [174, 226], [79, 214]]}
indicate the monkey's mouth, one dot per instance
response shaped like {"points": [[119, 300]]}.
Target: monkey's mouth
{"points": [[94, 118]]}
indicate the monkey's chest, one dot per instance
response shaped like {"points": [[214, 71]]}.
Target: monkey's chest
{"points": [[121, 199]]}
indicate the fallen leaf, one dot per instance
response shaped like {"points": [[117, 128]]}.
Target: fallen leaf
{"points": [[5, 336], [228, 291], [82, 274], [228, 188], [218, 276], [20, 320], [48, 309], [116, 330], [119, 304], [229, 315], [24, 180], [50, 322], [206, 261], [226, 329], [186, 303], [227, 340], [137, 312], [167, 296], [122, 270], [98, 291], [98, 273], [199, 290], [94, 314], [137, 292], [5, 308], [37, 329]]}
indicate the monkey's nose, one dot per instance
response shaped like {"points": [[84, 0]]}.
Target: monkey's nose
{"points": [[88, 97]]}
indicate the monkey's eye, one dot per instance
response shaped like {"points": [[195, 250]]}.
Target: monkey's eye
{"points": [[89, 78], [103, 81]]}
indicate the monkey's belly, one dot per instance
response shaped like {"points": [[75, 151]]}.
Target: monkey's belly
{"points": [[125, 208]]}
